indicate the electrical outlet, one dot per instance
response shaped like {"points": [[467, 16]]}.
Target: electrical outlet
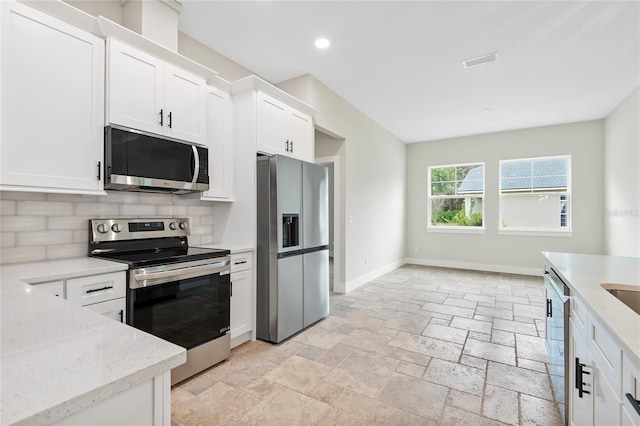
{"points": [[366, 261], [415, 248]]}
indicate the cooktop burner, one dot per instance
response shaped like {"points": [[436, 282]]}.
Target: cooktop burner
{"points": [[146, 242]]}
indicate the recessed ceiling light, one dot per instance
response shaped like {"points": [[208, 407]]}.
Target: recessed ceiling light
{"points": [[480, 60], [322, 43]]}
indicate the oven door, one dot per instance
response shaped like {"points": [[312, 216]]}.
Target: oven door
{"points": [[189, 307]]}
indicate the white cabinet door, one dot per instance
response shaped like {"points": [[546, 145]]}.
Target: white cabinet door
{"points": [[272, 126], [52, 103], [185, 105], [115, 309], [146, 93], [300, 133], [135, 83], [607, 408], [580, 406], [241, 303], [220, 147], [54, 287]]}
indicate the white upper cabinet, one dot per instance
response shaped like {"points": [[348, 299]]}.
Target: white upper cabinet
{"points": [[279, 123], [220, 147], [283, 129], [149, 94], [52, 104]]}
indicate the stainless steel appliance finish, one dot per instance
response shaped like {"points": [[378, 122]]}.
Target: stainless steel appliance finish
{"points": [[176, 292], [141, 161], [293, 252], [557, 337]]}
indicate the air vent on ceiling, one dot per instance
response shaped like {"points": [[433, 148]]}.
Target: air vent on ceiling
{"points": [[484, 59]]}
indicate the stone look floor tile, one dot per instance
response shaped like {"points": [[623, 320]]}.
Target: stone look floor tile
{"points": [[519, 379], [285, 407], [455, 376], [419, 345], [500, 404], [490, 351], [299, 373], [417, 396]]}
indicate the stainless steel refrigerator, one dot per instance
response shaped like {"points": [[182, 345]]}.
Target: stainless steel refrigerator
{"points": [[293, 246]]}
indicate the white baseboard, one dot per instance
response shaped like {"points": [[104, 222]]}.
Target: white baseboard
{"points": [[521, 270], [363, 279]]}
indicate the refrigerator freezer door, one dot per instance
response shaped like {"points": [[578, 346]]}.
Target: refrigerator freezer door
{"points": [[316, 286], [289, 298], [315, 205], [289, 200]]}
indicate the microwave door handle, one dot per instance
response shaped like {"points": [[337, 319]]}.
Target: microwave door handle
{"points": [[196, 167]]}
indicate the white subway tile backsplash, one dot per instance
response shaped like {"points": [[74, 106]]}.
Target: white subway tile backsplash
{"points": [[97, 210], [200, 211], [59, 251], [37, 226], [7, 239], [44, 208], [68, 222], [172, 211], [19, 196], [22, 223], [74, 198], [130, 210], [119, 197], [7, 207], [43, 238], [23, 254]]}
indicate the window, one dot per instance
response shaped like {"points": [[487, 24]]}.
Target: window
{"points": [[535, 194], [456, 195]]}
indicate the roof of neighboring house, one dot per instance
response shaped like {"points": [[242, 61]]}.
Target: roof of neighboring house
{"points": [[473, 181], [533, 175]]}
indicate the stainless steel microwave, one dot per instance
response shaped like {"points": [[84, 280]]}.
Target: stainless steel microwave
{"points": [[139, 161]]}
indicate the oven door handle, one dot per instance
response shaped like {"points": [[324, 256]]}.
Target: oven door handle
{"points": [[152, 278]]}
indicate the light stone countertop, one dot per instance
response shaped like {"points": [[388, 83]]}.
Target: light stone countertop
{"points": [[233, 249], [58, 358], [585, 273]]}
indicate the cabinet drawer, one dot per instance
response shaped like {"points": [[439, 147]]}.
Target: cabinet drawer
{"points": [[241, 262], [54, 287], [631, 385], [606, 352], [96, 288], [580, 315]]}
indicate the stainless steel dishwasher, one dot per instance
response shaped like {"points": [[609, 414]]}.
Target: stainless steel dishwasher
{"points": [[557, 336]]}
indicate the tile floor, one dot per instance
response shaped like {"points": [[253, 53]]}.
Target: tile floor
{"points": [[420, 345]]}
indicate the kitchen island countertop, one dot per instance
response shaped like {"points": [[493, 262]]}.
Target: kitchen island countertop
{"points": [[585, 273], [58, 358]]}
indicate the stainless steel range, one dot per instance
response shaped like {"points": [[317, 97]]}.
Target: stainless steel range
{"points": [[176, 292]]}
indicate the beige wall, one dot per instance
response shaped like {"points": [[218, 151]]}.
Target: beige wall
{"points": [[508, 253], [622, 177], [374, 182]]}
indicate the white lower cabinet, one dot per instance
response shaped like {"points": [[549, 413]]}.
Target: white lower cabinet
{"points": [[607, 375], [148, 403], [242, 298], [113, 309], [103, 293]]}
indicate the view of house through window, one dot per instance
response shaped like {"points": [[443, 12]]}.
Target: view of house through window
{"points": [[456, 194], [535, 194]]}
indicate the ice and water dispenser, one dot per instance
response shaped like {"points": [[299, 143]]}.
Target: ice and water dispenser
{"points": [[290, 230]]}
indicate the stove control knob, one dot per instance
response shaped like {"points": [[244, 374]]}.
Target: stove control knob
{"points": [[116, 227], [173, 226], [183, 225], [102, 228]]}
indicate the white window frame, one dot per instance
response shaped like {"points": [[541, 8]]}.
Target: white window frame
{"points": [[524, 231], [430, 197]]}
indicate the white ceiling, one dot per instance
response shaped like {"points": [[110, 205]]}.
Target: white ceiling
{"points": [[400, 62]]}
